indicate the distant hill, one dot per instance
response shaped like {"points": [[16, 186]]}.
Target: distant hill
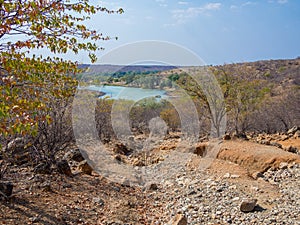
{"points": [[283, 72], [102, 69], [278, 71]]}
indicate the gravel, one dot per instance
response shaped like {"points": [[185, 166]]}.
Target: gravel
{"points": [[207, 200]]}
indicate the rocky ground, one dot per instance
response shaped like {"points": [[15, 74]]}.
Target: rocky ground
{"points": [[248, 183]]}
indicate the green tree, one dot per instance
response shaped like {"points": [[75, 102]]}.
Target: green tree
{"points": [[203, 89], [243, 96]]}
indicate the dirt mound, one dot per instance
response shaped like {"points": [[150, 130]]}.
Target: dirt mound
{"points": [[255, 157]]}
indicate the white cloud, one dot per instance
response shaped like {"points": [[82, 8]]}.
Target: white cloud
{"points": [[212, 6], [278, 1], [245, 4], [162, 3], [249, 3], [181, 16], [182, 3]]}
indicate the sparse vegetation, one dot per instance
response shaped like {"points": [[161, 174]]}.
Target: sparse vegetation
{"points": [[47, 177], [255, 100]]}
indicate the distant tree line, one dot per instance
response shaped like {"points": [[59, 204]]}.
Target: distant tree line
{"points": [[253, 102]]}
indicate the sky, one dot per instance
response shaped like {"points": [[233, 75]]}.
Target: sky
{"points": [[217, 31]]}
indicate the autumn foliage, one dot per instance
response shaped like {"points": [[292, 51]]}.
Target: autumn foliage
{"points": [[33, 87], [36, 91]]}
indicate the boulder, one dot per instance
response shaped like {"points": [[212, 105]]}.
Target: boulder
{"points": [[64, 168], [248, 205], [293, 130], [76, 155], [85, 168], [292, 149]]}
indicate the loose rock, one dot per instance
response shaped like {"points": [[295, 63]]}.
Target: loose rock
{"points": [[248, 205], [151, 187], [98, 201], [257, 175]]}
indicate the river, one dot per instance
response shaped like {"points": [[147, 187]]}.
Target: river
{"points": [[128, 93]]}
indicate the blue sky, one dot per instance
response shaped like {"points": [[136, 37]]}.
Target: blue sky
{"points": [[217, 31]]}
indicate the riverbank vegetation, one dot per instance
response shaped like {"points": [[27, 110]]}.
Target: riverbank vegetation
{"points": [[259, 96]]}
